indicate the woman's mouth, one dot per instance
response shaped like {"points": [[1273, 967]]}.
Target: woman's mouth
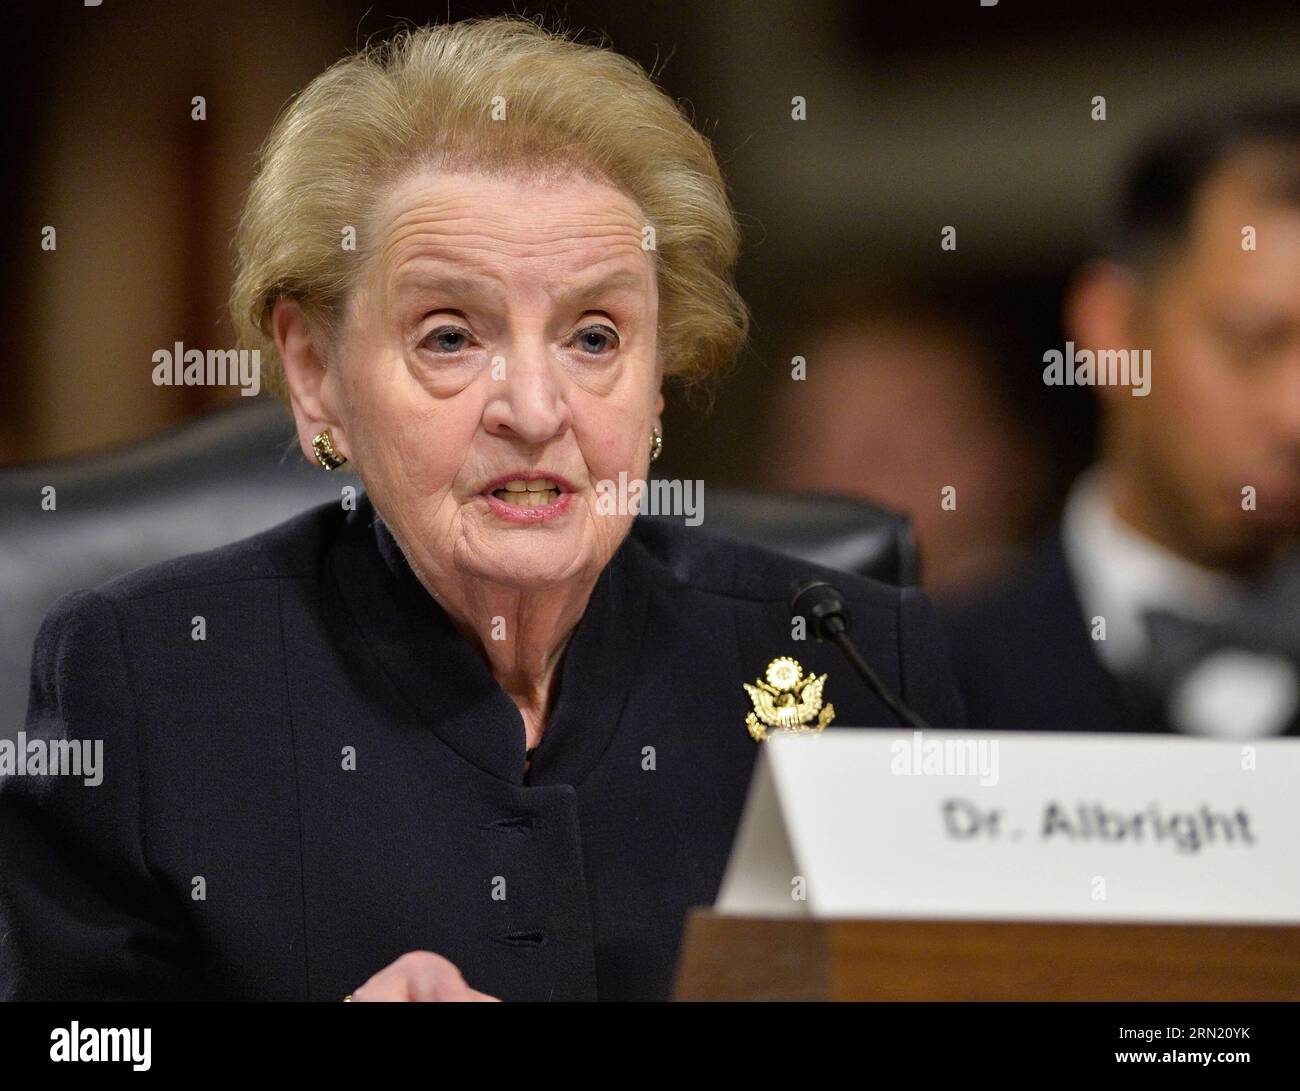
{"points": [[526, 499], [528, 494]]}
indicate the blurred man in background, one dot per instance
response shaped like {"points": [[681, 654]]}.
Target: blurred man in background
{"points": [[1169, 596], [906, 404]]}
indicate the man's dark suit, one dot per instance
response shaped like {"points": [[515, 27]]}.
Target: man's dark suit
{"points": [[1024, 658], [335, 771]]}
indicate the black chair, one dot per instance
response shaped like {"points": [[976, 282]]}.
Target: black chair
{"points": [[836, 531], [239, 471]]}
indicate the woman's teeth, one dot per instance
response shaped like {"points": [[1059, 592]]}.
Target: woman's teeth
{"points": [[528, 494]]}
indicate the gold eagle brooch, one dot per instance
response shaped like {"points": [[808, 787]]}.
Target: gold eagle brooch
{"points": [[787, 701]]}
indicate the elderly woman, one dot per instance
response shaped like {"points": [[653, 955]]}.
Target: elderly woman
{"points": [[473, 733]]}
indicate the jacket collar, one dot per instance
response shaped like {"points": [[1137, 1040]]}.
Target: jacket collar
{"points": [[450, 688]]}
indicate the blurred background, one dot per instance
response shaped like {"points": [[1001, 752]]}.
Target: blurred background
{"points": [[919, 116]]}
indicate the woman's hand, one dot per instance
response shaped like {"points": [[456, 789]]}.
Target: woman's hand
{"points": [[419, 975]]}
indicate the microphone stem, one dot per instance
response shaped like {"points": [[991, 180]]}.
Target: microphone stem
{"points": [[910, 718]]}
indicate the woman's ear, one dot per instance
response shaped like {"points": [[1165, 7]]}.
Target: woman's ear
{"points": [[312, 385]]}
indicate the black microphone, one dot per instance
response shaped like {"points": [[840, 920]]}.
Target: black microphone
{"points": [[822, 606]]}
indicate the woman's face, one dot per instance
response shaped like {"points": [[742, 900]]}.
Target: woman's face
{"points": [[499, 359]]}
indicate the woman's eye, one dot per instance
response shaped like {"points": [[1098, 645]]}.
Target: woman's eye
{"points": [[595, 339], [446, 339]]}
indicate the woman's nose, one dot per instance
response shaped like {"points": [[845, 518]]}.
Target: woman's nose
{"points": [[528, 397]]}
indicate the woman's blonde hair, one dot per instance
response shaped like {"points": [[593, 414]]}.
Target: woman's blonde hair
{"points": [[437, 92]]}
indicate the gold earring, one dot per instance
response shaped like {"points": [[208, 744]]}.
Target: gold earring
{"points": [[323, 445], [656, 443]]}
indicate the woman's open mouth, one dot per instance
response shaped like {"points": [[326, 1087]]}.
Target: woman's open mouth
{"points": [[528, 494], [527, 499]]}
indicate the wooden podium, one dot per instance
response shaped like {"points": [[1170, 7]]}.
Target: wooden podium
{"points": [[745, 958]]}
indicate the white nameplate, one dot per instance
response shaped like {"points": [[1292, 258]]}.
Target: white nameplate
{"points": [[896, 823]]}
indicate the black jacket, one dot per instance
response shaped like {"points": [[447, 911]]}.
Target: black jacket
{"points": [[227, 770], [1024, 658]]}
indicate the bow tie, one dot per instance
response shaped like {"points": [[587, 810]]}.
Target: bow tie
{"points": [[1236, 675]]}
